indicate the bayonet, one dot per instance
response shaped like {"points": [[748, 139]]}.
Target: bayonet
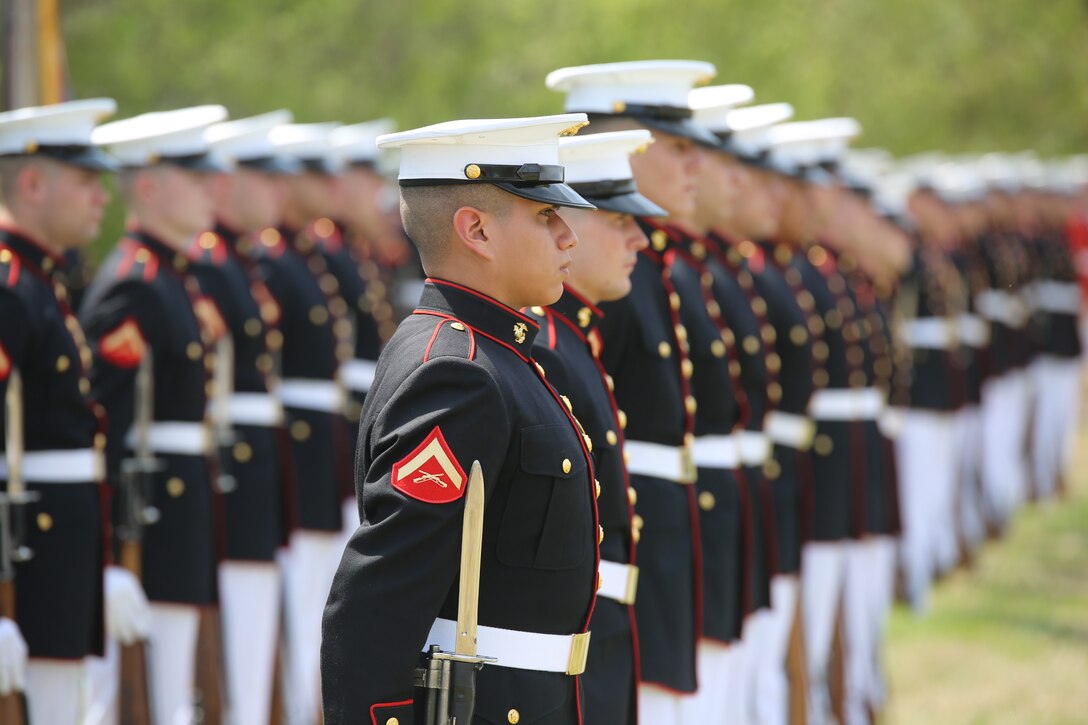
{"points": [[222, 432], [448, 679]]}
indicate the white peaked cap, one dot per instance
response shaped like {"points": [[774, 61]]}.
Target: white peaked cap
{"points": [[711, 104], [520, 155], [604, 87], [308, 143], [655, 92], [445, 150], [25, 130], [149, 138], [246, 138], [807, 143], [599, 168], [357, 143], [749, 128], [601, 156]]}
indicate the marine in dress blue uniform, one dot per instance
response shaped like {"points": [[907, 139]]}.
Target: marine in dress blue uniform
{"points": [[646, 351], [568, 347], [58, 603], [145, 303], [457, 384]]}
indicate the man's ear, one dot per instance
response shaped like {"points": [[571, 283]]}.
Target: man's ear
{"points": [[469, 226], [31, 182]]}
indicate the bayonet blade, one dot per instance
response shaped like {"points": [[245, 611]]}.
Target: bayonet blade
{"points": [[472, 538], [14, 444]]}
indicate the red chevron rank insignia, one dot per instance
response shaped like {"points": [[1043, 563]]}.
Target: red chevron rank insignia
{"points": [[5, 363], [124, 346], [430, 473]]}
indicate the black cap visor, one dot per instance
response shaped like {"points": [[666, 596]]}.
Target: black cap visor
{"points": [[203, 163], [272, 165], [619, 195], [635, 204], [683, 127], [85, 157], [559, 194]]}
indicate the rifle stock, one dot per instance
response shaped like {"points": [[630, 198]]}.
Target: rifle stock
{"points": [[135, 693]]}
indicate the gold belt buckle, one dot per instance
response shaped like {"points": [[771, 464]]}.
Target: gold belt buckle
{"points": [[579, 650], [632, 585], [688, 472]]}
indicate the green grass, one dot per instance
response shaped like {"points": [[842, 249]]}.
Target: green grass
{"points": [[1007, 641]]}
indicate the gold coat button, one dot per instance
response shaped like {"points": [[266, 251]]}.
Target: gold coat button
{"points": [[714, 309], [774, 392], [774, 363], [664, 349], [457, 326], [393, 721], [99, 441], [690, 405], [622, 418], [63, 363], [600, 534], [242, 452], [194, 350], [539, 369], [473, 171], [798, 335], [632, 496], [707, 502], [566, 402], [45, 521], [175, 487], [750, 345], [252, 327], [610, 383], [637, 522], [537, 310], [820, 378], [610, 436], [674, 301], [772, 469], [823, 444], [681, 333], [635, 535], [84, 386], [319, 315], [768, 333], [717, 348], [687, 368], [566, 465], [300, 430], [513, 717], [759, 306], [274, 339], [596, 488], [589, 442]]}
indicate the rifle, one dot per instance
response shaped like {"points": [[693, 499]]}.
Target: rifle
{"points": [[12, 549], [446, 683], [136, 513]]}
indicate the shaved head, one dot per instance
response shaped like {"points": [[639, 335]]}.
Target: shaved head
{"points": [[427, 213]]}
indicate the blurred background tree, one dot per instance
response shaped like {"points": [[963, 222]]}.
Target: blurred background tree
{"points": [[953, 75]]}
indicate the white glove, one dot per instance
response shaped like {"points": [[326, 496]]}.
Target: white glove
{"points": [[12, 657], [128, 615]]}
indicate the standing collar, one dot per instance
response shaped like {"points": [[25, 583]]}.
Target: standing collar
{"points": [[166, 254], [580, 313], [480, 312], [30, 250]]}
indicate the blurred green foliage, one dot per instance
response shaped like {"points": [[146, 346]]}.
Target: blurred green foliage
{"points": [[957, 75]]}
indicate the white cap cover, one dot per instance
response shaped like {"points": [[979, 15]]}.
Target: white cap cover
{"points": [[163, 136], [61, 130], [517, 154]]}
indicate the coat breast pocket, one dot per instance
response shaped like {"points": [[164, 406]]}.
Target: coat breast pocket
{"points": [[547, 523]]}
